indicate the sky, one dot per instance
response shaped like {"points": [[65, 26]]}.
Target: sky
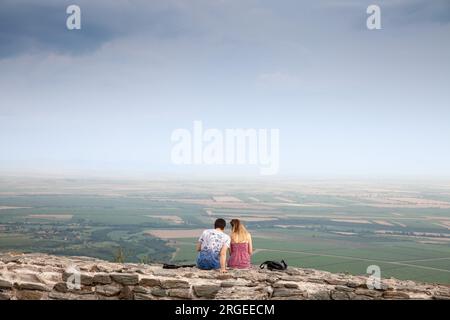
{"points": [[105, 99]]}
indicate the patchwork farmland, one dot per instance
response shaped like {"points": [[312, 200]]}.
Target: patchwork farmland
{"points": [[403, 227]]}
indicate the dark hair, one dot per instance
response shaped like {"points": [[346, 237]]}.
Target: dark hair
{"points": [[220, 223]]}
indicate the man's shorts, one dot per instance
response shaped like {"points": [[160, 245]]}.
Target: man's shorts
{"points": [[208, 260]]}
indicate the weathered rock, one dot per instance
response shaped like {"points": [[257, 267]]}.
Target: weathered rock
{"points": [[224, 276], [383, 287], [87, 297], [180, 293], [285, 284], [29, 295], [82, 290], [143, 296], [165, 273], [283, 292], [355, 284], [227, 284], [299, 297], [320, 295], [344, 288], [86, 279], [149, 282], [60, 287], [235, 283], [32, 286], [101, 278], [272, 279], [206, 291], [41, 276], [293, 272], [188, 275], [5, 295], [100, 297], [278, 285], [369, 293], [71, 296], [68, 277], [5, 284], [335, 282], [316, 280], [268, 291], [158, 292], [291, 285], [108, 290], [126, 293], [7, 258], [340, 295], [140, 289], [395, 295], [61, 296], [127, 279], [207, 275], [358, 297], [174, 283], [443, 292]]}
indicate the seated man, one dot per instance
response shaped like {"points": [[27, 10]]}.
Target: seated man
{"points": [[212, 246]]}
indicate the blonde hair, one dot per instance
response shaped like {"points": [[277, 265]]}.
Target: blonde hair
{"points": [[238, 232]]}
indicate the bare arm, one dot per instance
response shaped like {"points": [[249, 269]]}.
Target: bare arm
{"points": [[198, 246], [250, 246], [223, 259]]}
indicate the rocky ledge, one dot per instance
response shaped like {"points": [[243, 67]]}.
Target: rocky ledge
{"points": [[40, 276]]}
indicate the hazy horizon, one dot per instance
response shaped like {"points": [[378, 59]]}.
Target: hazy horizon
{"points": [[139, 176]]}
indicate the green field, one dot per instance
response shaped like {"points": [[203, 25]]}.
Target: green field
{"points": [[394, 259], [403, 228]]}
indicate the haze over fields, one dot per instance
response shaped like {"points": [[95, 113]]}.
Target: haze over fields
{"points": [[340, 226]]}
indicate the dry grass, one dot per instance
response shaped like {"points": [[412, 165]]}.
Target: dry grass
{"points": [[209, 203], [51, 216], [344, 233], [175, 233], [383, 222], [173, 219], [226, 199], [253, 218], [8, 207], [407, 202], [359, 221], [284, 199]]}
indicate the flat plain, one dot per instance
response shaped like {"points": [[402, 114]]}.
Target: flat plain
{"points": [[340, 226]]}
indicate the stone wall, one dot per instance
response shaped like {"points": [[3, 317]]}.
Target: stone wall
{"points": [[40, 276]]}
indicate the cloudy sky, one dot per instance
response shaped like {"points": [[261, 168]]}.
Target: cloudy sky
{"points": [[106, 98]]}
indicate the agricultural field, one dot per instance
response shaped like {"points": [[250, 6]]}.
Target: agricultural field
{"points": [[339, 226]]}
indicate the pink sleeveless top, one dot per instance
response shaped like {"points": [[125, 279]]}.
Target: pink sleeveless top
{"points": [[239, 257]]}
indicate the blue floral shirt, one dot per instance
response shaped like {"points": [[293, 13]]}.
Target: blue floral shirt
{"points": [[212, 241]]}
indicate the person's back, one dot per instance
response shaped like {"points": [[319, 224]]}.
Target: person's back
{"points": [[241, 246], [212, 246]]}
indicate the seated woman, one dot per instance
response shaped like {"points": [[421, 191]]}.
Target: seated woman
{"points": [[241, 247]]}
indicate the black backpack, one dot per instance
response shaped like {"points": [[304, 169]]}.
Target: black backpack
{"points": [[274, 265], [174, 266]]}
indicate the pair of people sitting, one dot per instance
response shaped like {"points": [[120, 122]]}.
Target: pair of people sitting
{"points": [[214, 244]]}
